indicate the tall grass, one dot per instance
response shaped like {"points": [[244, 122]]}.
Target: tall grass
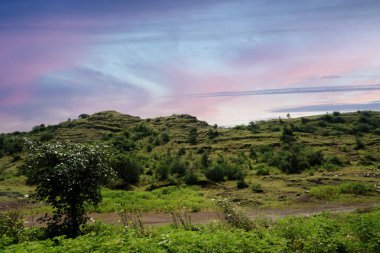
{"points": [[327, 192], [162, 199]]}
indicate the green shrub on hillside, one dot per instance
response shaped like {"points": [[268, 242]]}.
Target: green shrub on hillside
{"points": [[128, 168], [294, 158]]}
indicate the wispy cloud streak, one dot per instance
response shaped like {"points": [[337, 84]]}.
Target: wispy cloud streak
{"points": [[375, 105], [298, 90]]}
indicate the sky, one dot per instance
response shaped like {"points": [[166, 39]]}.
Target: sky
{"points": [[226, 62]]}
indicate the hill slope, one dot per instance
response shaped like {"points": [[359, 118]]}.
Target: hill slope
{"points": [[283, 161]]}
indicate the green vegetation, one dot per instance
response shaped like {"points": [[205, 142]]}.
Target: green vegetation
{"points": [[169, 163], [334, 191], [161, 199], [68, 177], [344, 233]]}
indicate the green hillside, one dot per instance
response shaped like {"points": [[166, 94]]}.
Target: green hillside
{"points": [[253, 164], [179, 165]]}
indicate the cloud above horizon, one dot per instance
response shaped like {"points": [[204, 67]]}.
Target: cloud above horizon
{"points": [[209, 58], [320, 108]]}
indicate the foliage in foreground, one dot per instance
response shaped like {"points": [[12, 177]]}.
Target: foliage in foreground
{"points": [[67, 176], [347, 233]]}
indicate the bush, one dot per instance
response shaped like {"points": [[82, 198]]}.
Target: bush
{"points": [[359, 144], [234, 216], [287, 134], [262, 170], [212, 133], [216, 173], [193, 135], [162, 170], [253, 127], [178, 167], [316, 158], [46, 136], [165, 137], [291, 159], [335, 161], [257, 188], [362, 128], [365, 231], [127, 168], [11, 227], [222, 171], [191, 178], [241, 184], [325, 192], [357, 188]]}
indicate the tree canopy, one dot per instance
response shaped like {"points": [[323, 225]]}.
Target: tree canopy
{"points": [[68, 176]]}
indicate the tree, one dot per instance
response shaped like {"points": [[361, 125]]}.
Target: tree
{"points": [[287, 134], [68, 176], [252, 126], [83, 116]]}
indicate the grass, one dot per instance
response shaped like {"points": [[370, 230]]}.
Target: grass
{"points": [[280, 190], [162, 199], [322, 233], [329, 192]]}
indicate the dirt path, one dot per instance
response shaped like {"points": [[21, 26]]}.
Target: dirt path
{"points": [[202, 217]]}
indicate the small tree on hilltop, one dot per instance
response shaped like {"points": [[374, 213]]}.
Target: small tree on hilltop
{"points": [[67, 176]]}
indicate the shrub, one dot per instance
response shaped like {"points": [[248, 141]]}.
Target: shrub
{"points": [[241, 184], [46, 136], [335, 161], [362, 128], [291, 159], [212, 133], [216, 173], [162, 170], [11, 227], [257, 188], [222, 170], [325, 192], [193, 135], [165, 137], [262, 170], [304, 120], [127, 168], [191, 178], [234, 216], [335, 113], [316, 158], [178, 167], [357, 188], [253, 127], [287, 134], [359, 144], [365, 231]]}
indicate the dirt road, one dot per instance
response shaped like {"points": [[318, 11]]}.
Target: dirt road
{"points": [[202, 217]]}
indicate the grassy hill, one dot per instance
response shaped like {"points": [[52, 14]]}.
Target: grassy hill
{"points": [[177, 163], [253, 164]]}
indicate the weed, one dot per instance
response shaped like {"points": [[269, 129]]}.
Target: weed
{"points": [[233, 215]]}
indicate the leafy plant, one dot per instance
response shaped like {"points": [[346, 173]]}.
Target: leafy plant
{"points": [[68, 176], [257, 188]]}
